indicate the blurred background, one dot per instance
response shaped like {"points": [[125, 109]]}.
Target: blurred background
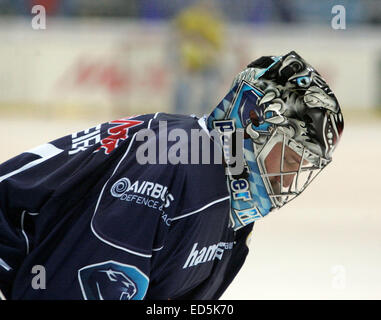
{"points": [[89, 61]]}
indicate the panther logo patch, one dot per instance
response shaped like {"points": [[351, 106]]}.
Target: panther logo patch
{"points": [[112, 280]]}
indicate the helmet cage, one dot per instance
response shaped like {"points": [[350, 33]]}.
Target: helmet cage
{"points": [[308, 167]]}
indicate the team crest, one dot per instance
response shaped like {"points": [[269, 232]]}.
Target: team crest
{"points": [[112, 280]]}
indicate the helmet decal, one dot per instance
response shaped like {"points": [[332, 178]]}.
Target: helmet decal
{"points": [[283, 104]]}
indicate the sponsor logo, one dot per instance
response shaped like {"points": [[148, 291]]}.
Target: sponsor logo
{"points": [[206, 254], [146, 193], [230, 136], [82, 140], [117, 133], [247, 216], [112, 280]]}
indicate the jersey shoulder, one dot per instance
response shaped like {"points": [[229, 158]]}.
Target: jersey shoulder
{"points": [[197, 159]]}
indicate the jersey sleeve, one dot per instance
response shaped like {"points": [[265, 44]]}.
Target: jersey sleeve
{"points": [[23, 188], [49, 181]]}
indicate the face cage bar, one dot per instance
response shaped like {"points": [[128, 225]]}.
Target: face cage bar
{"points": [[280, 199]]}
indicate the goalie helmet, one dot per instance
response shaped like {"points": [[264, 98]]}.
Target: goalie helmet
{"points": [[290, 123]]}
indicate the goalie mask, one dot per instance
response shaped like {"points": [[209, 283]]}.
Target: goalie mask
{"points": [[290, 123]]}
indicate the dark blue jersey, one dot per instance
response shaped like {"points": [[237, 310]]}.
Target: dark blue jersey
{"points": [[111, 213]]}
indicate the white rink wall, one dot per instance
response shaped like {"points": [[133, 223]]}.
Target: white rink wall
{"points": [[106, 65]]}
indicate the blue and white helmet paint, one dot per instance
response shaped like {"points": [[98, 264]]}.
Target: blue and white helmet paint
{"points": [[275, 100]]}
